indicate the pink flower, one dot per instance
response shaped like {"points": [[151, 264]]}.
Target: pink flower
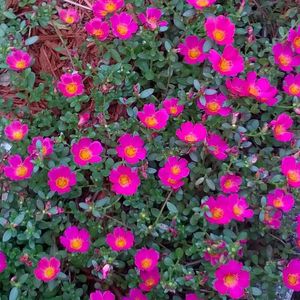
{"points": [[131, 148], [214, 105], [280, 199], [191, 133], [192, 50], [150, 280], [291, 85], [86, 151], [230, 63], [291, 169], [105, 271], [103, 7], [172, 106], [219, 212], [239, 208], [97, 295], [201, 4], [230, 183], [98, 28], [272, 217], [261, 89], [75, 240], [16, 131], [61, 179], [69, 16], [18, 60], [192, 297], [220, 29], [47, 269], [146, 259], [237, 86], [232, 280], [217, 146], [3, 261], [280, 128], [123, 26], [151, 18], [45, 146], [18, 169], [125, 181], [70, 85], [136, 294], [120, 239], [294, 39], [284, 57], [153, 119], [291, 275]]}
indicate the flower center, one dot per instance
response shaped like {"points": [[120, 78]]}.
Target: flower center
{"points": [[21, 171], [219, 35], [225, 65], [175, 170], [110, 7], [228, 184], [171, 180], [152, 21], [76, 244], [49, 272], [253, 90], [21, 64], [44, 150], [294, 89], [278, 202], [191, 138], [130, 151], [98, 32], [17, 135], [297, 42], [293, 175], [124, 180], [120, 242], [69, 20], [213, 106], [151, 121], [285, 60], [217, 213], [62, 182], [122, 29], [237, 210], [173, 110], [231, 280], [202, 3], [149, 282], [85, 154], [279, 129], [293, 279], [194, 53], [268, 218], [146, 263], [71, 88]]}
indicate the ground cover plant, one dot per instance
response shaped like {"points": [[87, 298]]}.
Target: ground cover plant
{"points": [[149, 149]]}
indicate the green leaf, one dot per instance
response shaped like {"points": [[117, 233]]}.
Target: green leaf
{"points": [[256, 291], [31, 40], [7, 235], [146, 93], [9, 14], [172, 208], [210, 184], [14, 293]]}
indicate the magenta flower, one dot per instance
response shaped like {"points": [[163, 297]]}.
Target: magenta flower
{"points": [[135, 294], [86, 151], [3, 261], [120, 239], [69, 16], [284, 57], [192, 297], [18, 169], [103, 7], [280, 128], [18, 60], [281, 200], [150, 279], [46, 146], [239, 208], [214, 105], [16, 131], [70, 85], [291, 85], [61, 179], [98, 28], [229, 63], [152, 118], [294, 39], [217, 146], [237, 86], [168, 180], [75, 240], [125, 181], [272, 217], [220, 29], [172, 106], [123, 26], [232, 280], [230, 183], [98, 295], [47, 269], [146, 259], [191, 133], [201, 4], [291, 169], [151, 18], [192, 50], [291, 275], [131, 148]]}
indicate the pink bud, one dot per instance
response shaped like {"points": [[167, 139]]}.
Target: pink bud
{"points": [[83, 118], [105, 271]]}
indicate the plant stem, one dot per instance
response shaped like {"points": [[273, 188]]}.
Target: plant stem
{"points": [[77, 4]]}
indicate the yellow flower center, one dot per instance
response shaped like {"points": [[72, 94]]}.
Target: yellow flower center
{"points": [[194, 53], [171, 180], [146, 263], [18, 135], [217, 213], [98, 32], [279, 129], [122, 29], [293, 279], [130, 151], [85, 154], [284, 60], [293, 176], [76, 244], [191, 138], [44, 150], [173, 110], [294, 89], [219, 35], [69, 19], [124, 180], [120, 242], [253, 90], [110, 7], [213, 106], [237, 210], [231, 280], [202, 3], [149, 282], [151, 121], [228, 184], [225, 65], [62, 182], [21, 171], [49, 272], [296, 42], [175, 170], [71, 88], [21, 64], [278, 202]]}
